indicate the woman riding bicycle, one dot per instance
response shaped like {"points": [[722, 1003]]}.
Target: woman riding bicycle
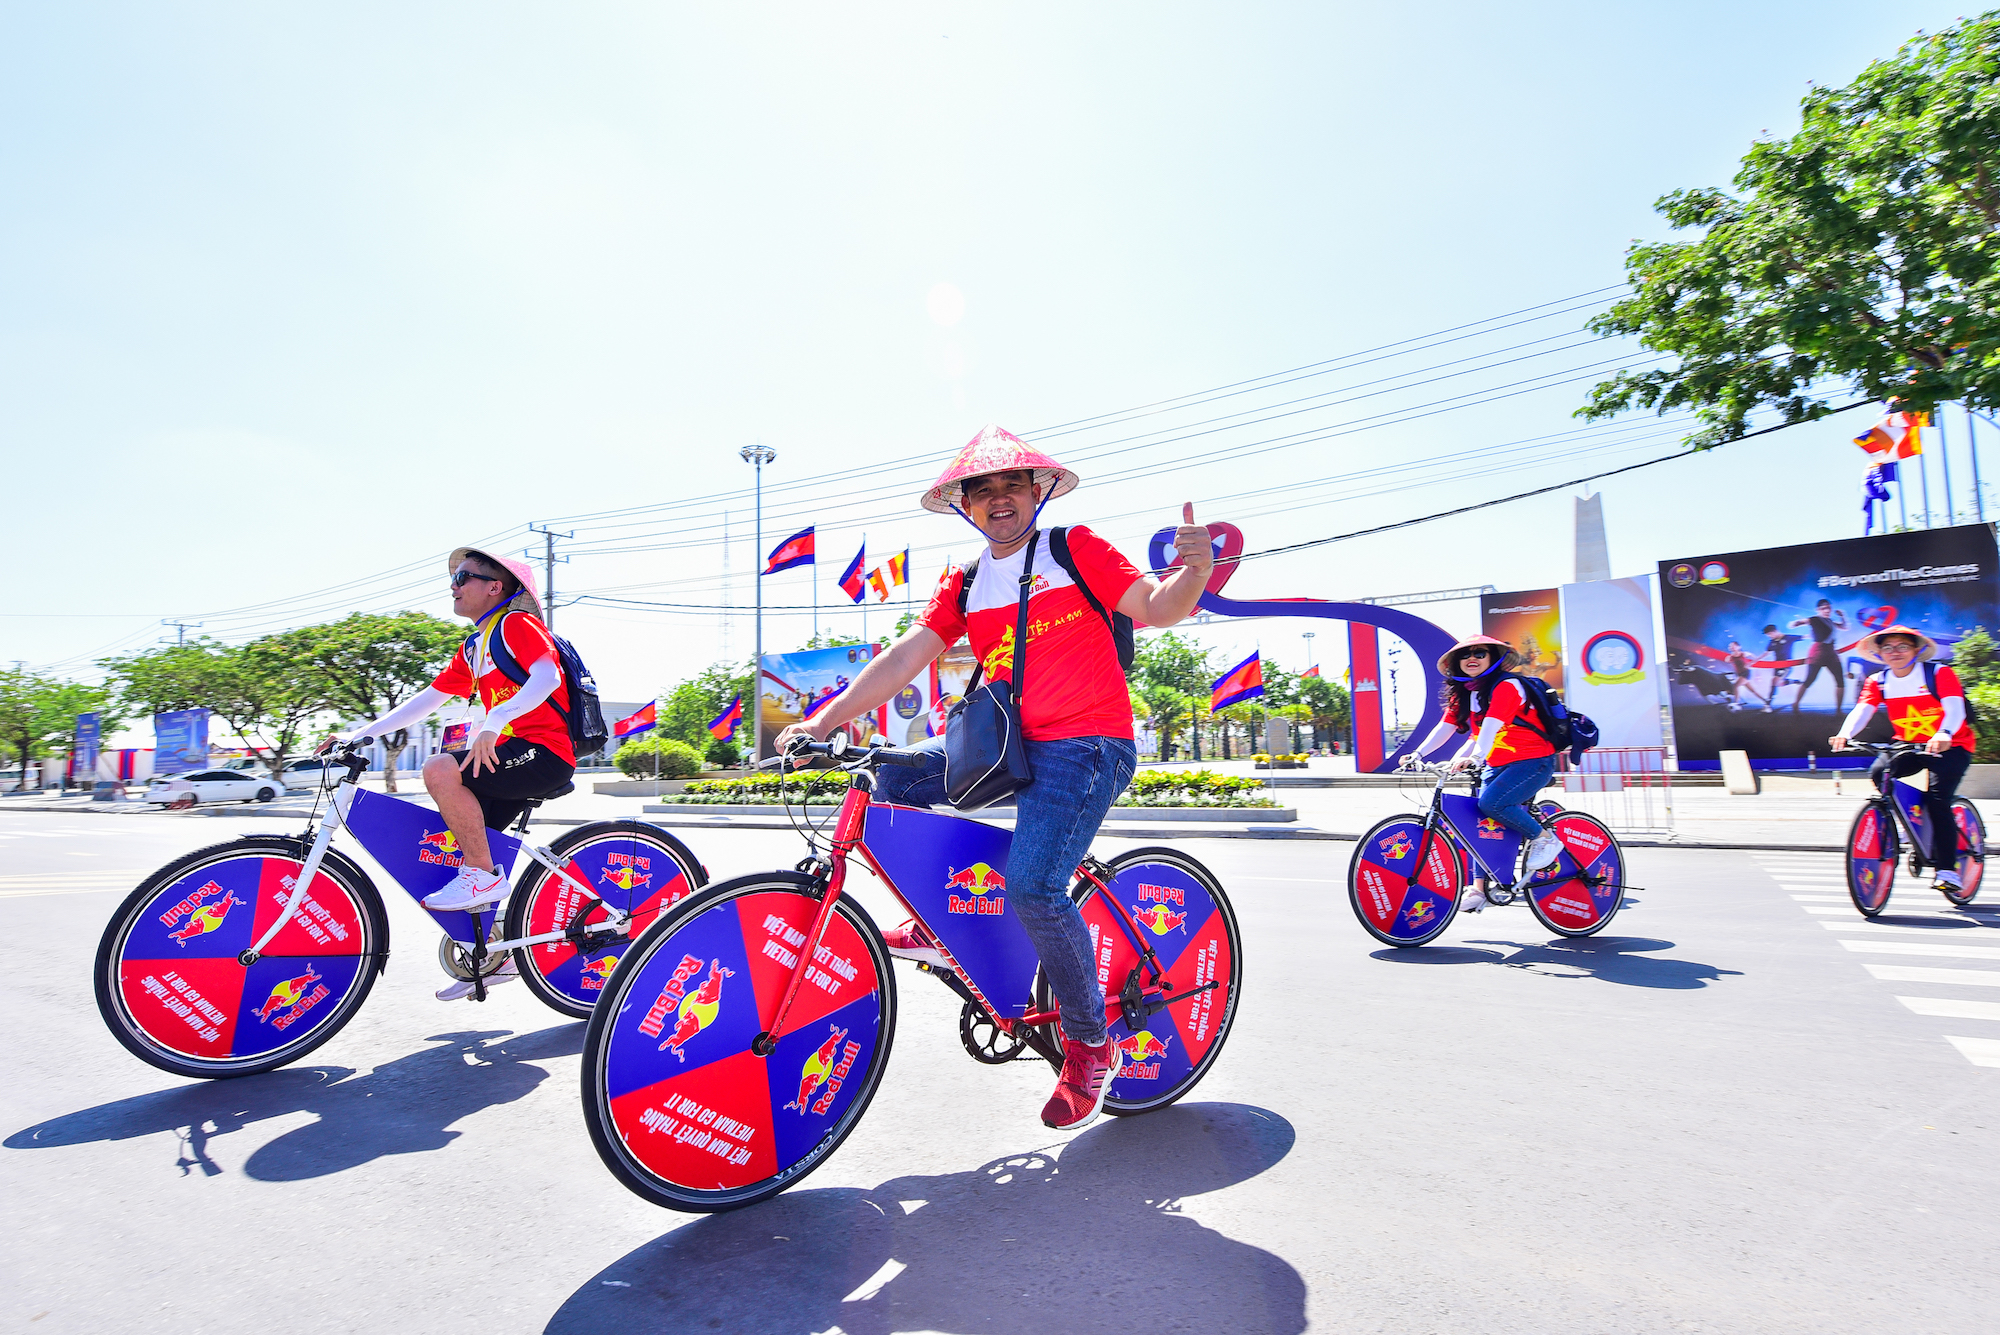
{"points": [[1927, 707], [1482, 698]]}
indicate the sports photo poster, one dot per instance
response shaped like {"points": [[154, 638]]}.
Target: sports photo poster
{"points": [[792, 687], [1531, 621], [1761, 645], [1613, 666]]}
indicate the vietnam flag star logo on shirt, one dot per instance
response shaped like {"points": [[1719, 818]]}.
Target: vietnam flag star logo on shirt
{"points": [[1919, 723]]}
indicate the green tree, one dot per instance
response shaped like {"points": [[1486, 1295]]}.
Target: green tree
{"points": [[1856, 258], [38, 715], [692, 704], [261, 691], [366, 665], [1169, 711], [1331, 708]]}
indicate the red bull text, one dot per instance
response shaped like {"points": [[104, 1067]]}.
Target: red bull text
{"points": [[204, 919], [1395, 847], [1491, 829], [194, 901], [981, 880], [821, 1069], [596, 973], [293, 998], [440, 849], [1163, 894], [695, 1010], [627, 871]]}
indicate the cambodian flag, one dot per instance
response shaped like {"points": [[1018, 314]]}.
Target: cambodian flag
{"points": [[725, 724], [851, 580], [796, 550], [641, 719], [1243, 682]]}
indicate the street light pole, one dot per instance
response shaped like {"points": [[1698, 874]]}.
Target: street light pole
{"points": [[758, 455]]}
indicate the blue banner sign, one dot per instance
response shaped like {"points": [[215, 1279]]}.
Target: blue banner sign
{"points": [[85, 765], [180, 741]]}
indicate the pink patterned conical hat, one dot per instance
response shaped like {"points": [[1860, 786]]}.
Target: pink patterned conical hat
{"points": [[996, 451]]}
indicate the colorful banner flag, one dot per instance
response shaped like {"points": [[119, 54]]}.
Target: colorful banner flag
{"points": [[1312, 671], [899, 567], [638, 721], [1898, 436], [880, 583], [796, 550], [850, 579], [724, 725], [1875, 487], [1243, 682]]}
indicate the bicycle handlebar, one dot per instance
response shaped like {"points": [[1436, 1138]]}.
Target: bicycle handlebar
{"points": [[843, 750]]}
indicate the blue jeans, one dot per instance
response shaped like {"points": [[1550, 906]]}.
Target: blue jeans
{"points": [[1506, 790], [1076, 781]]}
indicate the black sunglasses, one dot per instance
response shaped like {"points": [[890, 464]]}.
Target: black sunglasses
{"points": [[460, 577]]}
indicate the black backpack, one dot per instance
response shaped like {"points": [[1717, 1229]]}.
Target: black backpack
{"points": [[585, 716], [1118, 623], [1561, 728]]}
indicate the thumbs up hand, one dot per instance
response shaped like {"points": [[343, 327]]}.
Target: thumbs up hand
{"points": [[1191, 540]]}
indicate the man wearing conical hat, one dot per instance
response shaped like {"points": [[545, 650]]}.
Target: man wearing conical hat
{"points": [[1076, 713]]}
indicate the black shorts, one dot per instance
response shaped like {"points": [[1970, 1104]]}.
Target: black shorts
{"points": [[528, 771]]}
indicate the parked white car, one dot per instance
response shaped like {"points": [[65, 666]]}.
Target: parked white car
{"points": [[212, 785], [306, 772]]}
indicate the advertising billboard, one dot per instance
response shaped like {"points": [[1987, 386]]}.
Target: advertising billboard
{"points": [[83, 759], [793, 687], [1531, 621], [1613, 665], [180, 741], [1760, 644]]}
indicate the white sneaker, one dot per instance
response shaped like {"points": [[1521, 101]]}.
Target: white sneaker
{"points": [[475, 888], [1472, 900], [1544, 850], [458, 988]]}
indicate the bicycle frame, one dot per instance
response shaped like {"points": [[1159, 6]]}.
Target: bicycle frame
{"points": [[1490, 847], [431, 861], [1906, 801], [986, 949]]}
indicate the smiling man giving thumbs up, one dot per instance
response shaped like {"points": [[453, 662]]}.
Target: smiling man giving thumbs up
{"points": [[1076, 714]]}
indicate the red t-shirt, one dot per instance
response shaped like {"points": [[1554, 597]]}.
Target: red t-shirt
{"points": [[1509, 703], [529, 642], [1075, 687], [1915, 714]]}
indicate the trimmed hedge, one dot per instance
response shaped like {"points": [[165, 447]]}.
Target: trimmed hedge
{"points": [[677, 760]]}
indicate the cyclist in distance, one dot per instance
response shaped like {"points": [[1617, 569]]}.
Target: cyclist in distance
{"points": [[1483, 698], [1924, 706], [1076, 713], [520, 749]]}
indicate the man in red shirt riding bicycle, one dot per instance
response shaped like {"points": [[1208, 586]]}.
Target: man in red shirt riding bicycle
{"points": [[1076, 713]]}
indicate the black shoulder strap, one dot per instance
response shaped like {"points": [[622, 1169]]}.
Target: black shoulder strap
{"points": [[1059, 548], [1930, 679], [1535, 703], [1020, 671], [971, 572]]}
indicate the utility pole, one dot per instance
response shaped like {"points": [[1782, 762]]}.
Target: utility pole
{"points": [[181, 628], [549, 559], [758, 455]]}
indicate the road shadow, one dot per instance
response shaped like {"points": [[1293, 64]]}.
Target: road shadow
{"points": [[1086, 1237], [406, 1106], [1625, 960]]}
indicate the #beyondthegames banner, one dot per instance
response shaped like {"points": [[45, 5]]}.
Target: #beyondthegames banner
{"points": [[1761, 644], [1531, 621]]}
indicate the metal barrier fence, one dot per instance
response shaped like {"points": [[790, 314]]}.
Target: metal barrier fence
{"points": [[1629, 788]]}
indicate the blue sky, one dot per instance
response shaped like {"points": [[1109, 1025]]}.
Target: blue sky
{"points": [[290, 298]]}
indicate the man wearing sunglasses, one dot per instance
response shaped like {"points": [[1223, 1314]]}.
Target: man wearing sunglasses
{"points": [[520, 750]]}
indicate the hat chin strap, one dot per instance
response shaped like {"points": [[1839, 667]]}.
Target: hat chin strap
{"points": [[1033, 524]]}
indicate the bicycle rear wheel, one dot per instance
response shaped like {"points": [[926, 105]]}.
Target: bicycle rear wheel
{"points": [[169, 982], [632, 866], [1971, 850], [681, 1108], [1403, 888], [1871, 858], [1187, 919], [1577, 894]]}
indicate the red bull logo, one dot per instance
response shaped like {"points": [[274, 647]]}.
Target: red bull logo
{"points": [[597, 973], [1491, 829], [1139, 1051], [1159, 918], [188, 905], [1420, 913], [625, 878], [693, 1011], [293, 998], [204, 920], [1395, 846], [820, 1078], [980, 879], [440, 849]]}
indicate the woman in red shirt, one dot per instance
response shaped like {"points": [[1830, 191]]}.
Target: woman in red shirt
{"points": [[1918, 713]]}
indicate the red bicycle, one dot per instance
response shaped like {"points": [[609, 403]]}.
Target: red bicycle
{"points": [[741, 1038]]}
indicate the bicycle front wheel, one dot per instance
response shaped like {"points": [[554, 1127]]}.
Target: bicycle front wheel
{"points": [[632, 866], [169, 982], [1971, 850], [1577, 894], [1871, 858], [681, 1107], [1402, 883]]}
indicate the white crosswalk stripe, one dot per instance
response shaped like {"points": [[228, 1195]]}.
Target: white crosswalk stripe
{"points": [[77, 883], [1924, 925]]}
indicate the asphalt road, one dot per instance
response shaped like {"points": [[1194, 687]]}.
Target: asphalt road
{"points": [[1717, 1117]]}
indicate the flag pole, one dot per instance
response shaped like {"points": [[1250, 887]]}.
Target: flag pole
{"points": [[759, 455]]}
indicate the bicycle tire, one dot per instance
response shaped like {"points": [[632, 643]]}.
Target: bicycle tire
{"points": [[666, 1129], [1396, 901], [621, 861], [1971, 850], [1870, 857], [1156, 1071], [1583, 889], [166, 941]]}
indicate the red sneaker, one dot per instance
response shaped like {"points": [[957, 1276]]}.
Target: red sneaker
{"points": [[1086, 1078], [911, 942]]}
